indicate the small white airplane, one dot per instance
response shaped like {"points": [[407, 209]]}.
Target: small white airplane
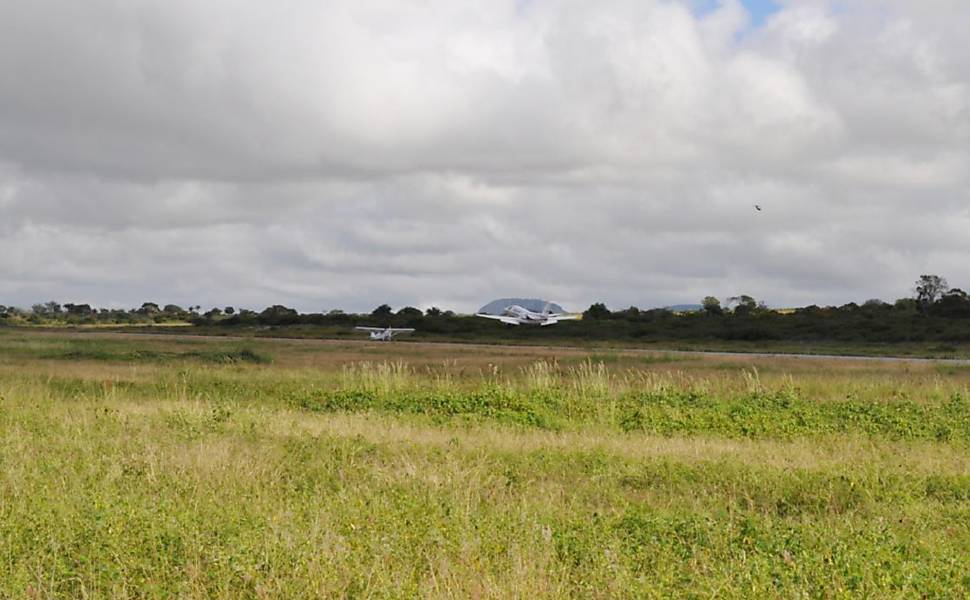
{"points": [[383, 334], [516, 315]]}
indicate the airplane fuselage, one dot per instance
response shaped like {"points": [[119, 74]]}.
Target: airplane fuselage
{"points": [[378, 334], [524, 315], [517, 315]]}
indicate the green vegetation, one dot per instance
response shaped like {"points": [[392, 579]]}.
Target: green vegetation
{"points": [[120, 351], [143, 467], [933, 323]]}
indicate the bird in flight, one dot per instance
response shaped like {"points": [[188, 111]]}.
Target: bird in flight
{"points": [[757, 207]]}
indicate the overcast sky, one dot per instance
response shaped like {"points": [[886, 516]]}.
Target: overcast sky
{"points": [[342, 154]]}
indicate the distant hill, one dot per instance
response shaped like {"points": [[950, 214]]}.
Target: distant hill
{"points": [[684, 307], [496, 307]]}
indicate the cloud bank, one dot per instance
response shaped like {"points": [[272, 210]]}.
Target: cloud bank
{"points": [[345, 154]]}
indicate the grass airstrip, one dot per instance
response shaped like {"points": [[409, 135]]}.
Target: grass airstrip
{"points": [[153, 467]]}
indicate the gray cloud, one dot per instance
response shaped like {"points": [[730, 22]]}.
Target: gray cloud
{"points": [[345, 154]]}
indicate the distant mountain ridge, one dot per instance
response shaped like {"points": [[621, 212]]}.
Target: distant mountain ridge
{"points": [[684, 307], [495, 307]]}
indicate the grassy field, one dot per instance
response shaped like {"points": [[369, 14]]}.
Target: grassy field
{"points": [[136, 466], [506, 336]]}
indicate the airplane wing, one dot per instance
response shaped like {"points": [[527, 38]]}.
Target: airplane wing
{"points": [[567, 317], [370, 328], [399, 330], [504, 319]]}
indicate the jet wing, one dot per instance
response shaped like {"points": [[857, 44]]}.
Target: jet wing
{"points": [[504, 319]]}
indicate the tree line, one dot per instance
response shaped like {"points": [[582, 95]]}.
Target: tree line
{"points": [[934, 312]]}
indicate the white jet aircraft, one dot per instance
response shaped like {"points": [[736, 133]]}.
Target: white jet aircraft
{"points": [[383, 334], [516, 315]]}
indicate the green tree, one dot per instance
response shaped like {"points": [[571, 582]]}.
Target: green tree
{"points": [[384, 310], [279, 315], [906, 305], [597, 311], [743, 304], [929, 289], [954, 303], [629, 314], [712, 306], [409, 311], [80, 310], [47, 309], [149, 308]]}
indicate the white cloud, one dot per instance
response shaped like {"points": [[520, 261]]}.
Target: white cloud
{"points": [[348, 153]]}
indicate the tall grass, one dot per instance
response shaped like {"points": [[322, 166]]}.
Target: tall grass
{"points": [[191, 478]]}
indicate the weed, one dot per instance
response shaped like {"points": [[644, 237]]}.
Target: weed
{"points": [[154, 469]]}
